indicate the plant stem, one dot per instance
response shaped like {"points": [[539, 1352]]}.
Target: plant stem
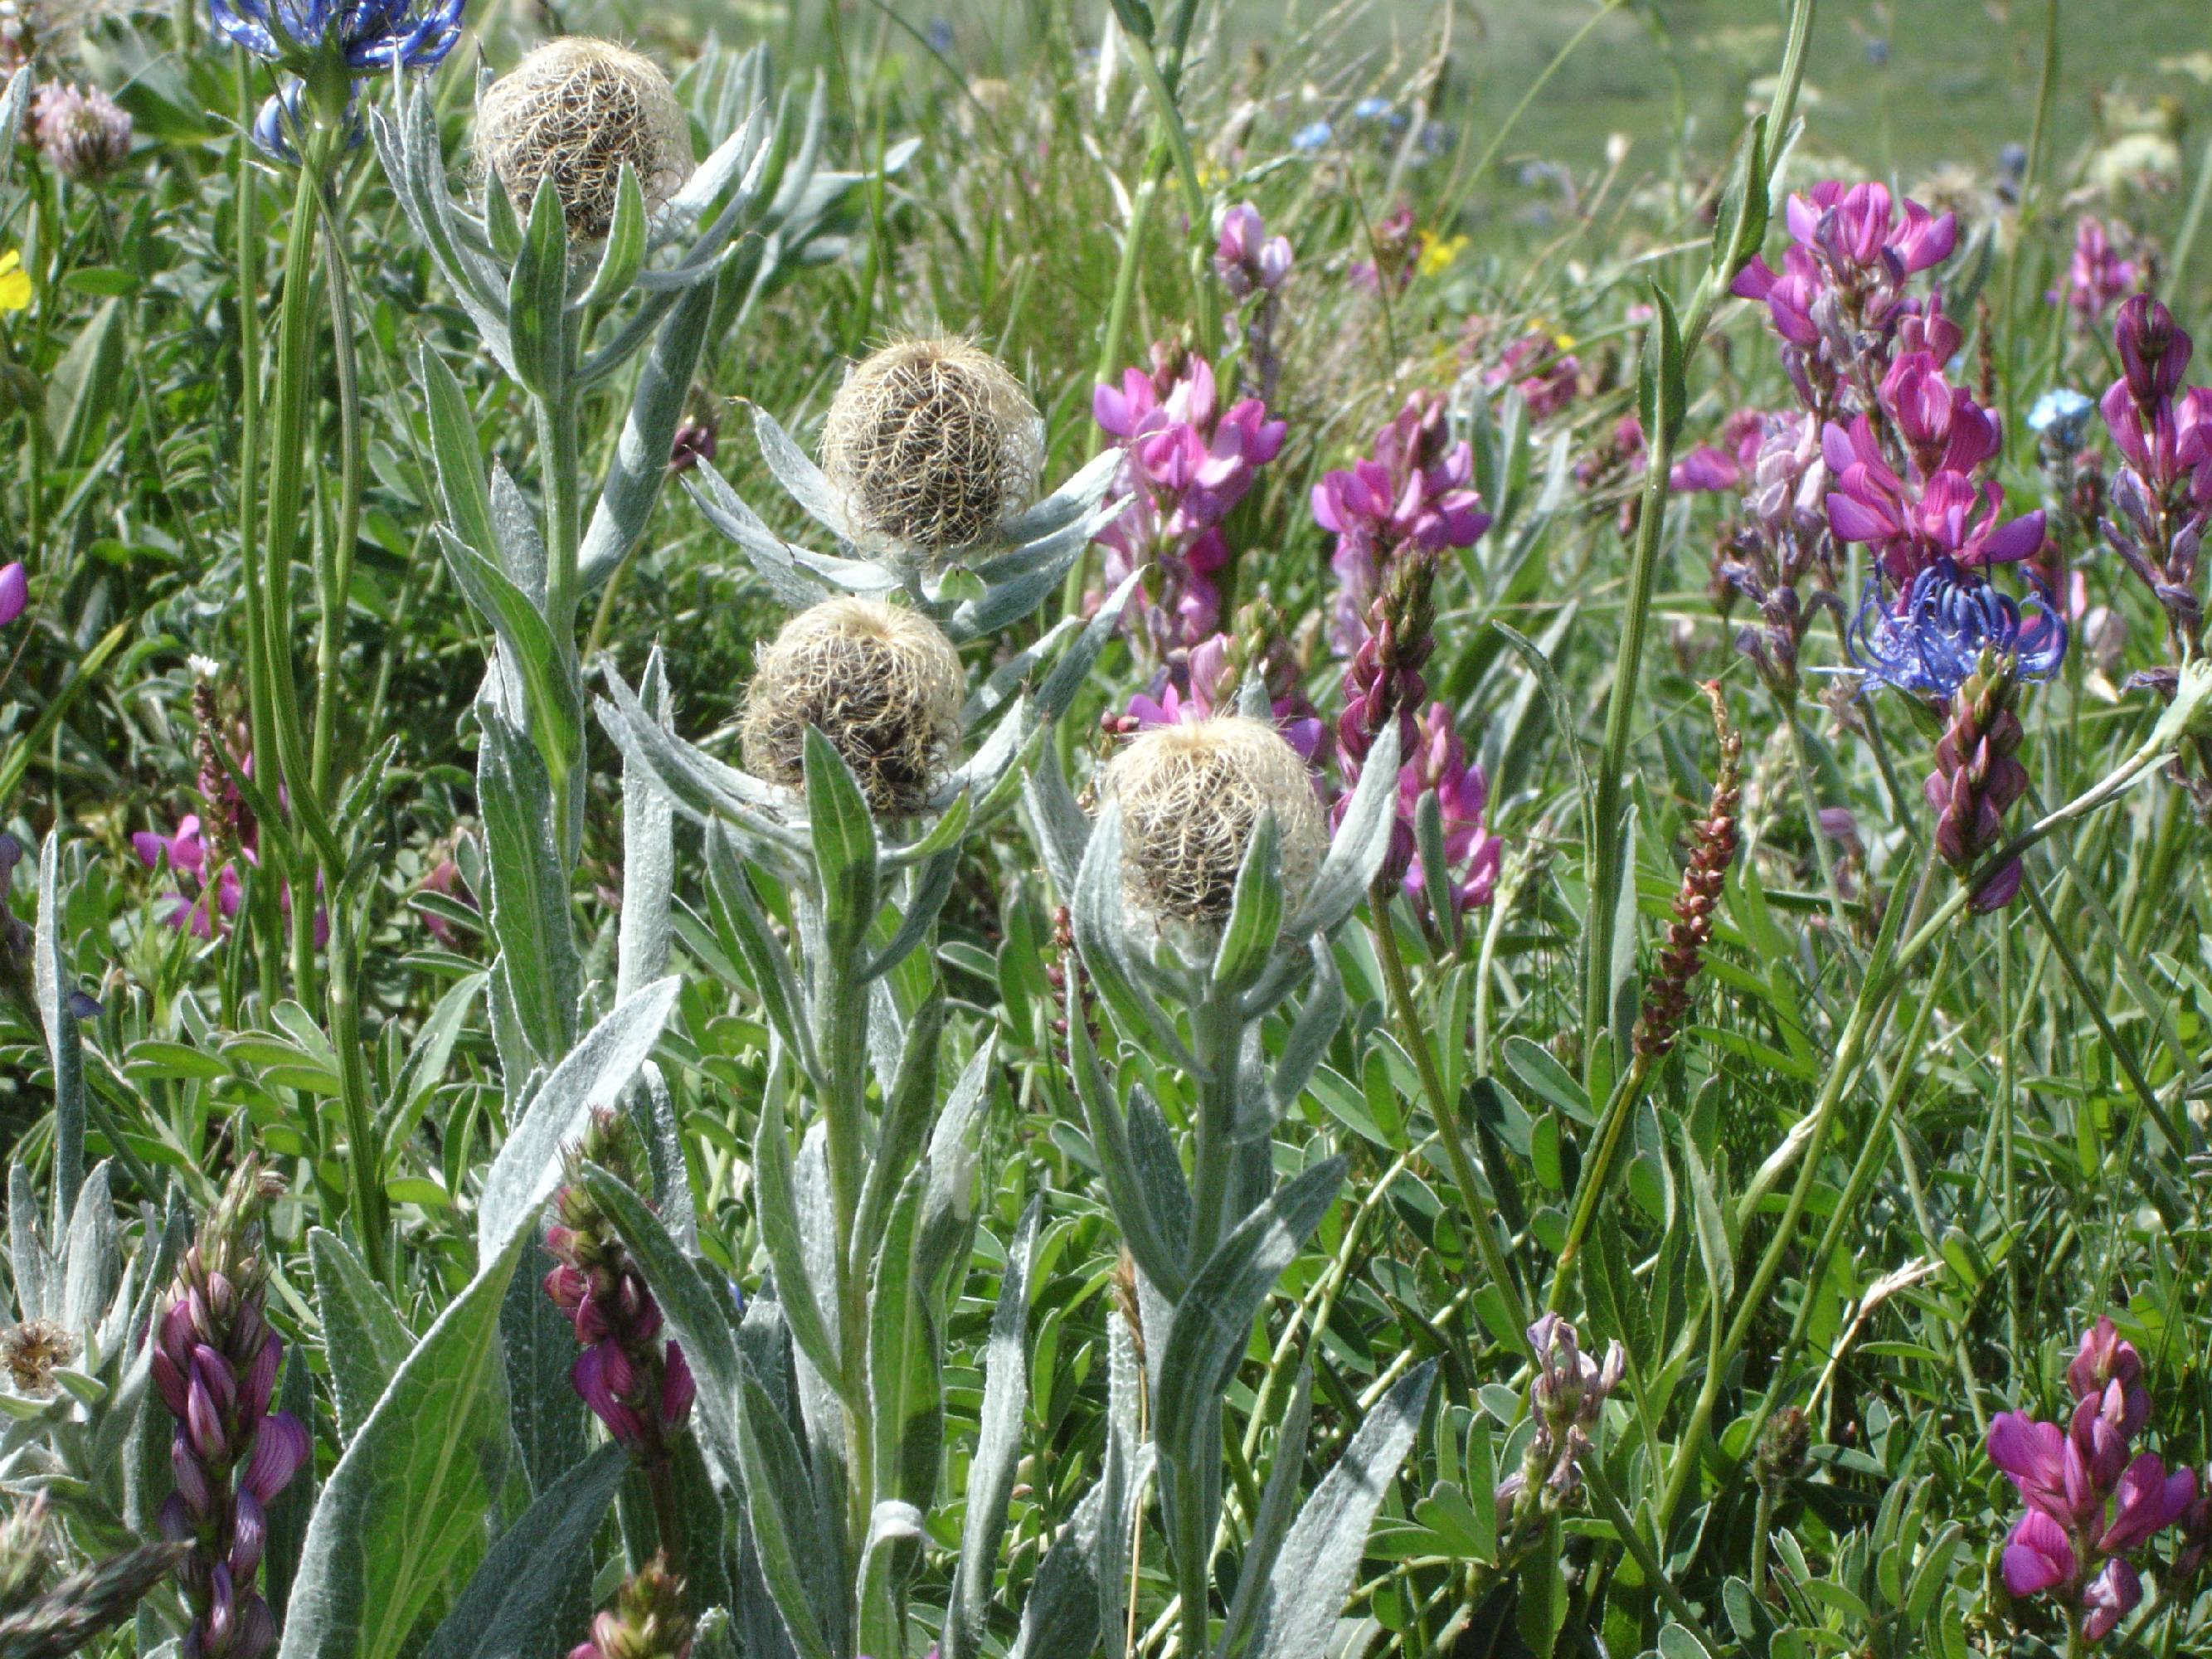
{"points": [[1479, 1212]]}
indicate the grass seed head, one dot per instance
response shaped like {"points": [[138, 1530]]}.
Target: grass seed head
{"points": [[1191, 795], [883, 684], [574, 109], [934, 444]]}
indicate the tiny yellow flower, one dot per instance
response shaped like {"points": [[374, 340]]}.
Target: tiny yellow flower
{"points": [[15, 282], [1437, 252]]}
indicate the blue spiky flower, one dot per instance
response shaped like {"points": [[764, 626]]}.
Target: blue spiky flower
{"points": [[365, 35], [1931, 640]]}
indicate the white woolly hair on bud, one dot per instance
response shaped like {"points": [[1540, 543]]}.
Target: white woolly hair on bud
{"points": [[933, 445], [1191, 795], [881, 684], [574, 109]]}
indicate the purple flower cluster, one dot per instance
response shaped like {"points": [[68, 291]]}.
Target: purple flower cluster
{"points": [[2097, 278], [1472, 853], [1780, 539], [1383, 684], [1186, 463], [1567, 1396], [1252, 266], [1931, 506], [2090, 1506], [646, 1621], [1840, 297], [1544, 372], [82, 134], [1410, 493], [215, 1364], [640, 1389], [2162, 496]]}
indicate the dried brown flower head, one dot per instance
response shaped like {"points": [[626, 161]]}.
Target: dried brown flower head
{"points": [[883, 684], [33, 1352], [1191, 795], [574, 109], [934, 444]]}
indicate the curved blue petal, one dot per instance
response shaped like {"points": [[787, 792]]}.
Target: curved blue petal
{"points": [[1930, 640]]}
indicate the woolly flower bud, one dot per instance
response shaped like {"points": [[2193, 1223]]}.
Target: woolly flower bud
{"points": [[934, 445], [1191, 796], [33, 1352], [883, 684], [573, 111]]}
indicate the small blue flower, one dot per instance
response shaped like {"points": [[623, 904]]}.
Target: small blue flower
{"points": [[2062, 415], [1928, 644], [365, 34], [1371, 108], [940, 36], [1313, 137], [1877, 52], [281, 117]]}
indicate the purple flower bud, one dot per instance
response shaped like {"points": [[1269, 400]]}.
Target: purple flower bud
{"points": [[249, 1538], [2036, 1556], [281, 1450], [14, 591], [2155, 351], [2111, 1597]]}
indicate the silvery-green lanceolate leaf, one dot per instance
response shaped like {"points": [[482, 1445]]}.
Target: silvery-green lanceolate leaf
{"points": [[906, 1389], [595, 1074], [993, 772], [1102, 937], [948, 1206], [998, 1443], [520, 549], [1313, 1029], [787, 1530], [844, 836], [512, 1600], [634, 482], [527, 647], [741, 151], [1255, 912], [1057, 824], [1212, 1319], [621, 255], [703, 789], [1278, 1507], [537, 296], [539, 1345], [1073, 500], [13, 103], [738, 919], [694, 1312], [50, 981], [893, 1527], [537, 974], [1159, 1170], [412, 1490], [929, 887], [92, 1258], [1357, 850], [31, 1265], [456, 454], [649, 875], [802, 480], [1313, 1574], [1061, 1614], [1121, 1480], [422, 199], [1000, 685], [364, 1339], [908, 1105], [776, 1198], [1145, 1231], [769, 555]]}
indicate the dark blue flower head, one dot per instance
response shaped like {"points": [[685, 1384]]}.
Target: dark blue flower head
{"points": [[1930, 640], [365, 34]]}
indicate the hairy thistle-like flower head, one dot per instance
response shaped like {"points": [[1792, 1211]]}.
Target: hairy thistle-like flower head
{"points": [[1191, 795], [82, 133], [574, 111], [881, 684], [32, 1350], [934, 444]]}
